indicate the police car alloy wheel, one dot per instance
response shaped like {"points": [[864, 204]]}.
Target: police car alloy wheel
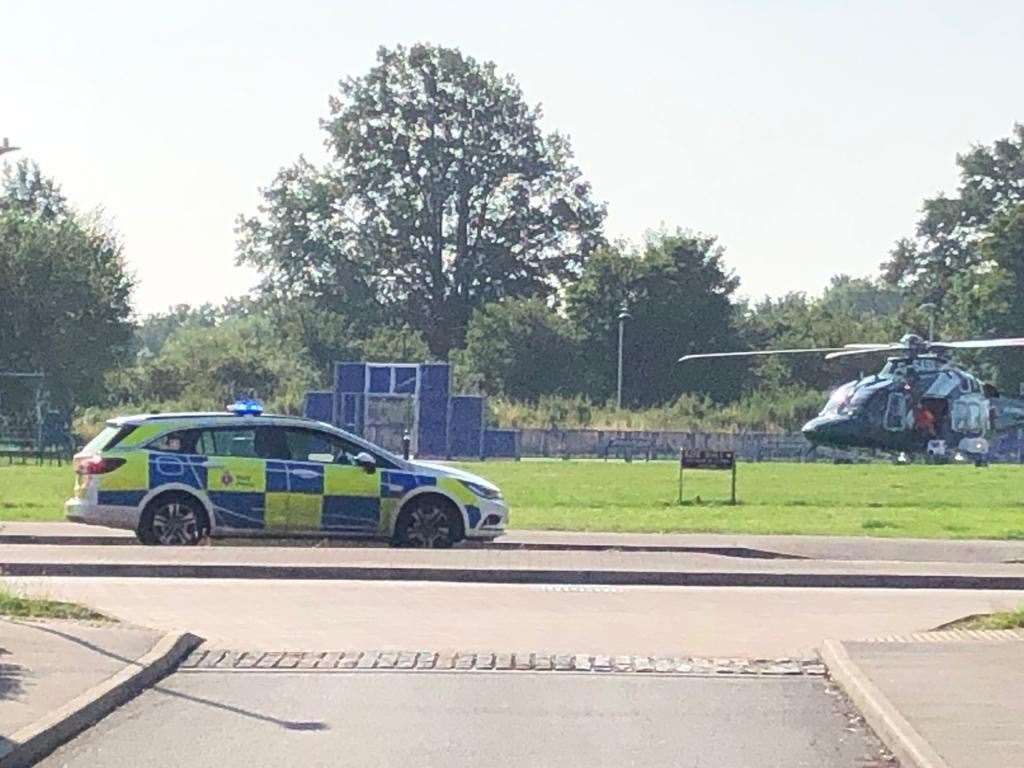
{"points": [[172, 520], [427, 523]]}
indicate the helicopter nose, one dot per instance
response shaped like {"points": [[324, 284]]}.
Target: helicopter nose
{"points": [[827, 430]]}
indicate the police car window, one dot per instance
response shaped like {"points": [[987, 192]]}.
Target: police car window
{"points": [[182, 441], [312, 445], [229, 441]]}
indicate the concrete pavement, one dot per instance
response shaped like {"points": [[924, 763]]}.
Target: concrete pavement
{"points": [[734, 545], [45, 664], [958, 696], [484, 565], [318, 615], [451, 720]]}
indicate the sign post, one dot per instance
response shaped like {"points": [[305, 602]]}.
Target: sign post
{"points": [[701, 459]]}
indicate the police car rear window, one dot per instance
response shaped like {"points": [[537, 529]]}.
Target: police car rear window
{"points": [[108, 437]]}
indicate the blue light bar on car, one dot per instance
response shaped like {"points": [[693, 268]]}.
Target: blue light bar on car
{"points": [[247, 407]]}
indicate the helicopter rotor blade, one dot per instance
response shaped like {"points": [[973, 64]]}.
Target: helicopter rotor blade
{"points": [[864, 350], [977, 344], [758, 353]]}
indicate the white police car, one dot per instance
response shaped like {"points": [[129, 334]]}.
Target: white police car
{"points": [[175, 478]]}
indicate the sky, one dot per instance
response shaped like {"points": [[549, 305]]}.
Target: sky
{"points": [[804, 135]]}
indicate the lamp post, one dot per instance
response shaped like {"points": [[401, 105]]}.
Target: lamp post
{"points": [[623, 317], [930, 308]]}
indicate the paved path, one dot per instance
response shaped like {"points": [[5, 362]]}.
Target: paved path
{"points": [[813, 547], [965, 698], [473, 719], [609, 567], [308, 615], [45, 664]]}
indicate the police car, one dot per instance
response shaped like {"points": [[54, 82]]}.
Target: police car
{"points": [[176, 478]]}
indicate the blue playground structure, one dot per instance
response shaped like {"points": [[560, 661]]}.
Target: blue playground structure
{"points": [[383, 402]]}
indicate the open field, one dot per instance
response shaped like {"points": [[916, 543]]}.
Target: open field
{"points": [[867, 499]]}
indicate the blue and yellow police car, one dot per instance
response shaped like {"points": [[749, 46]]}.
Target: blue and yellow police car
{"points": [[177, 478]]}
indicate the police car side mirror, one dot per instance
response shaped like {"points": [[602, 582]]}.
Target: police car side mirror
{"points": [[366, 461]]}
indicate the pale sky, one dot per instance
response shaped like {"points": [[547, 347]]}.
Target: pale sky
{"points": [[803, 134]]}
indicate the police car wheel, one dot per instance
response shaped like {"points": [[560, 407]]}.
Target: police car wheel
{"points": [[172, 520], [429, 523]]}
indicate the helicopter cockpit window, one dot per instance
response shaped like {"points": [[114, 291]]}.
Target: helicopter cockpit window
{"points": [[945, 383], [838, 399], [897, 411]]}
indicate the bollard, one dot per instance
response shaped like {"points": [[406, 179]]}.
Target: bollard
{"points": [[406, 444]]}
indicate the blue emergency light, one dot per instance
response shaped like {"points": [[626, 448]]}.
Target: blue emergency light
{"points": [[246, 407]]}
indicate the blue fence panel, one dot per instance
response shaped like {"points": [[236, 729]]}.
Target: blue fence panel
{"points": [[501, 443], [465, 426], [319, 406]]}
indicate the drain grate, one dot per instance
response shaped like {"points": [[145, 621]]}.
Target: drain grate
{"points": [[221, 660]]}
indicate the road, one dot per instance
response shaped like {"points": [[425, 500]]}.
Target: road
{"points": [[354, 615], [225, 719]]}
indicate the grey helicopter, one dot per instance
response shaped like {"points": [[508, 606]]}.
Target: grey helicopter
{"points": [[919, 403]]}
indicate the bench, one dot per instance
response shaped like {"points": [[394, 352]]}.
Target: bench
{"points": [[627, 447]]}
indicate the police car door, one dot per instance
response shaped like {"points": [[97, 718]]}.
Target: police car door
{"points": [[237, 479], [347, 497]]}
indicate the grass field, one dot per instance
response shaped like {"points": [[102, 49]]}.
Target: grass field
{"points": [[866, 500]]}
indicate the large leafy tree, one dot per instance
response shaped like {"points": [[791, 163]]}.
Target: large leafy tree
{"points": [[65, 294], [968, 256], [679, 295], [952, 229], [520, 348], [443, 194]]}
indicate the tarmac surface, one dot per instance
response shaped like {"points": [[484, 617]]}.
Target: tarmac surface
{"points": [[470, 719]]}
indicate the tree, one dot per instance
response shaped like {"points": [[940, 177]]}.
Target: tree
{"points": [[850, 310], [65, 294], [951, 231], [201, 367], [679, 294], [518, 348], [444, 195]]}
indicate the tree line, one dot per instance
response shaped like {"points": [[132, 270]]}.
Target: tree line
{"points": [[447, 224]]}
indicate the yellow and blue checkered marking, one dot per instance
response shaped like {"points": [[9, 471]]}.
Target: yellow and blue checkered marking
{"points": [[256, 494]]}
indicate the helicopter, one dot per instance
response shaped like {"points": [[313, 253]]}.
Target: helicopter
{"points": [[919, 403]]}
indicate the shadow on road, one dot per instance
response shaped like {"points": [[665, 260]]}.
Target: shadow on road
{"points": [[10, 677], [290, 725]]}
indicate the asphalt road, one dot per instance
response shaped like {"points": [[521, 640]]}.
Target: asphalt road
{"points": [[354, 615], [472, 719]]}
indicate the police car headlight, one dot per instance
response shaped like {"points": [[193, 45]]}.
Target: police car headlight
{"points": [[482, 490]]}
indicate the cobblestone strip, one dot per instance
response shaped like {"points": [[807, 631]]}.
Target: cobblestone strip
{"points": [[519, 661]]}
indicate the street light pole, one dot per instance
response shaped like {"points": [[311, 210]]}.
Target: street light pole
{"points": [[623, 317]]}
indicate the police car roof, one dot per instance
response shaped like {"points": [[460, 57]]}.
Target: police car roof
{"points": [[141, 417]]}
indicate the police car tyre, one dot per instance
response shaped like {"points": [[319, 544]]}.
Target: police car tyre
{"points": [[430, 522], [173, 519]]}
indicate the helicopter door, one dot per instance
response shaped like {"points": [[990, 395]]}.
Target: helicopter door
{"points": [[897, 411]]}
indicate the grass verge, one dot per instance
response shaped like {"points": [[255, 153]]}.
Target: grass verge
{"points": [[1000, 620], [24, 607]]}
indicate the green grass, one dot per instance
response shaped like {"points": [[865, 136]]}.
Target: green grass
{"points": [[30, 492], [852, 500], [855, 500], [1002, 620], [23, 607]]}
